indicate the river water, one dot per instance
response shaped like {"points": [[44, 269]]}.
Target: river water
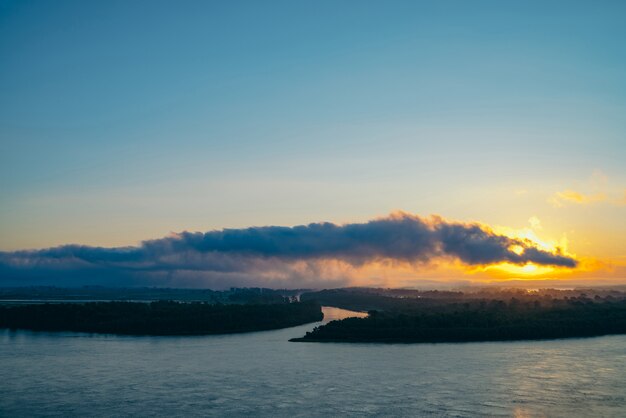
{"points": [[262, 374]]}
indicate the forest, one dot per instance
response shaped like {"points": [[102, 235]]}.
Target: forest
{"points": [[158, 318], [366, 299], [38, 294], [459, 317]]}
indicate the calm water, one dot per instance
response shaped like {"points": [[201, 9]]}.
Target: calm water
{"points": [[262, 374]]}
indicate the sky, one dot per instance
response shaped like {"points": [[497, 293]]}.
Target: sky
{"points": [[125, 123]]}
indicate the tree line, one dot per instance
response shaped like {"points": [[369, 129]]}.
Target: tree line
{"points": [[158, 318], [459, 320]]}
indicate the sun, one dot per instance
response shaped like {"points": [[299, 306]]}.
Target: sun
{"points": [[529, 270], [514, 270]]}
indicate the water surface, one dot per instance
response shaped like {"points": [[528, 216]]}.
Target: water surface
{"points": [[262, 374]]}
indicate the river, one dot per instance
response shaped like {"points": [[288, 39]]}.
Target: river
{"points": [[262, 374]]}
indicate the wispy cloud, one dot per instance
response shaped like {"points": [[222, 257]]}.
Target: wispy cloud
{"points": [[560, 199], [596, 190], [301, 256], [535, 223]]}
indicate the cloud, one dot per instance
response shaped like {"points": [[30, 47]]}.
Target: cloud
{"points": [[560, 199], [314, 255], [535, 223], [597, 190]]}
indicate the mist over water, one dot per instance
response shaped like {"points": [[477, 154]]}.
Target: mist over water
{"points": [[262, 374]]}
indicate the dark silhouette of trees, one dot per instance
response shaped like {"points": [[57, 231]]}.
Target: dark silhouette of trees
{"points": [[100, 293], [469, 319], [158, 318]]}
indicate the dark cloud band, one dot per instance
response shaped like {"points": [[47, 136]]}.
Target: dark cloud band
{"points": [[246, 255]]}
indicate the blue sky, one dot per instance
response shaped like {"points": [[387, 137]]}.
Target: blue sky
{"points": [[121, 121]]}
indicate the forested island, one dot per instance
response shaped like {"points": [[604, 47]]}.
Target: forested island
{"points": [[464, 317], [158, 318]]}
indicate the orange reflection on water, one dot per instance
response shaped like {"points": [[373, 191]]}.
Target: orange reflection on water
{"points": [[333, 314]]}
